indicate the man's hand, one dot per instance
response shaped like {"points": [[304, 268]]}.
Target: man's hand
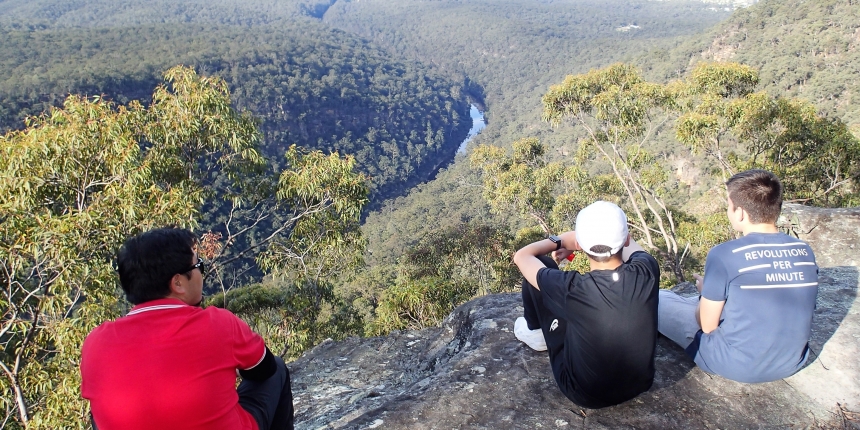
{"points": [[699, 281], [527, 261], [561, 254], [568, 246]]}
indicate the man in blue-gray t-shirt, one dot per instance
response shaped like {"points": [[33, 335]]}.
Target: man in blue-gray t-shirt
{"points": [[753, 319]]}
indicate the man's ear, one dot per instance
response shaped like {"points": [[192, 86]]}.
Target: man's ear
{"points": [[177, 286], [627, 241]]}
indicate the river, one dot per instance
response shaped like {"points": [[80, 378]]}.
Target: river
{"points": [[478, 124]]}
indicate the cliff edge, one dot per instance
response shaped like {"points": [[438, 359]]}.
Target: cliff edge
{"points": [[473, 373]]}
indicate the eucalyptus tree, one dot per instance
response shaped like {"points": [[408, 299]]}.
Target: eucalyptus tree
{"points": [[619, 112], [79, 180], [443, 271], [818, 158], [527, 183]]}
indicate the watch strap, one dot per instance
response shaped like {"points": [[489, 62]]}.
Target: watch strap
{"points": [[557, 241]]}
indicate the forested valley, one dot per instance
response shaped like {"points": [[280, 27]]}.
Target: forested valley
{"points": [[312, 146]]}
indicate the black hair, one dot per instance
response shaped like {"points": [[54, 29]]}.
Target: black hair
{"points": [[147, 262], [759, 193], [599, 249]]}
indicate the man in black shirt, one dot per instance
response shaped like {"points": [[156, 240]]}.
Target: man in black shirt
{"points": [[599, 327]]}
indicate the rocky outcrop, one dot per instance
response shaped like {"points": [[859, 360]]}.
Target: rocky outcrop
{"points": [[834, 234], [472, 373]]}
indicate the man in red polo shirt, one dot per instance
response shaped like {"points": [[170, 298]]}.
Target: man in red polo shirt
{"points": [[170, 364]]}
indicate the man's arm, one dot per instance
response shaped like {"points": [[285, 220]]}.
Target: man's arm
{"points": [[527, 261], [263, 370], [630, 248], [708, 314]]}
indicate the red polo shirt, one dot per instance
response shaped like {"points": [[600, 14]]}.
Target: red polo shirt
{"points": [[167, 365]]}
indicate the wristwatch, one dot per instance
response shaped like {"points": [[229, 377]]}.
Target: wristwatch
{"points": [[557, 241]]}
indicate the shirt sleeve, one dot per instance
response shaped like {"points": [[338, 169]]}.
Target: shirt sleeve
{"points": [[646, 261], [554, 285], [249, 349], [715, 287]]}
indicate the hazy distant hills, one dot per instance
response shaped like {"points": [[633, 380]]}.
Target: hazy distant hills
{"points": [[725, 3], [515, 50], [122, 13], [805, 49]]}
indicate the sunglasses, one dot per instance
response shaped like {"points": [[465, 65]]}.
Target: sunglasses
{"points": [[201, 264]]}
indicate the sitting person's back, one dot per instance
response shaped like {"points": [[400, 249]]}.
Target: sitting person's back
{"points": [[169, 364], [599, 327], [769, 284], [754, 317], [611, 329]]}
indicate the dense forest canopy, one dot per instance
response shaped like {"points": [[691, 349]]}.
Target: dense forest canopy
{"points": [[124, 13], [805, 49], [311, 86], [382, 89], [515, 49], [512, 51]]}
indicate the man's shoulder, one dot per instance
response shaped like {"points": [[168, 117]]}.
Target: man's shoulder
{"points": [[644, 259], [729, 248], [219, 315], [641, 255], [737, 246], [96, 334]]}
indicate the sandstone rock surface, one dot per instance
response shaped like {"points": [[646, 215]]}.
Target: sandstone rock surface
{"points": [[472, 373], [834, 234]]}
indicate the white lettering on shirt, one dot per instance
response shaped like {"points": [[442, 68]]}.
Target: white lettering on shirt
{"points": [[759, 266], [775, 253], [782, 264], [784, 277]]}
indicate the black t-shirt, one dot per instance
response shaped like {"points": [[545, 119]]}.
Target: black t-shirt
{"points": [[611, 334]]}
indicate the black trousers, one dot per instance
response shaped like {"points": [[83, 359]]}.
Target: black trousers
{"points": [[269, 401], [554, 329]]}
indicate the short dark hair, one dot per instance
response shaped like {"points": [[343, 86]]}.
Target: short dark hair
{"points": [[147, 262], [601, 249], [759, 193]]}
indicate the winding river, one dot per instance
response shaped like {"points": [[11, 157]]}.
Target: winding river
{"points": [[478, 124]]}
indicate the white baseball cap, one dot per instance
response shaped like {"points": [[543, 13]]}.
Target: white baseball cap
{"points": [[601, 223]]}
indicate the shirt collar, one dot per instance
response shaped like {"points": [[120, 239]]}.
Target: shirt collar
{"points": [[155, 305]]}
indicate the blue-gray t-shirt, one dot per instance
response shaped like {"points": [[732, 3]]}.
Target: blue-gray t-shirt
{"points": [[769, 282]]}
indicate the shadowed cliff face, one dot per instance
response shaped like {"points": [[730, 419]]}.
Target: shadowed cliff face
{"points": [[473, 373]]}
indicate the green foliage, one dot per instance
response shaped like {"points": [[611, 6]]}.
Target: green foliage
{"points": [[74, 185], [521, 49], [420, 303], [444, 270], [472, 253], [324, 197], [291, 316], [307, 84], [720, 115], [724, 79], [453, 198], [79, 180], [619, 113], [818, 158], [525, 183]]}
